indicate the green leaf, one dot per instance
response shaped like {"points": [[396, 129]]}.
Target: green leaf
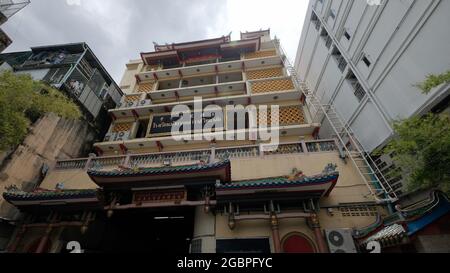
{"points": [[421, 149], [22, 99]]}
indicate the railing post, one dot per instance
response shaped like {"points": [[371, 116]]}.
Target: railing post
{"points": [[89, 161], [212, 157], [261, 150], [304, 147], [340, 149], [249, 86], [126, 162]]}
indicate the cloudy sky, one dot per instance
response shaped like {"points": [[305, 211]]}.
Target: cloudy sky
{"points": [[118, 30]]}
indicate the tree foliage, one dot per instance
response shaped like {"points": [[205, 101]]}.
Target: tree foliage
{"points": [[433, 81], [22, 100], [422, 150]]}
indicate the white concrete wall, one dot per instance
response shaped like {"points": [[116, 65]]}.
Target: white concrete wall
{"points": [[404, 42]]}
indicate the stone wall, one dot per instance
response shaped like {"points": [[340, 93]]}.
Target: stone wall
{"points": [[50, 138]]}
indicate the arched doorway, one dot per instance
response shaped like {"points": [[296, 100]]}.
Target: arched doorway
{"points": [[297, 243]]}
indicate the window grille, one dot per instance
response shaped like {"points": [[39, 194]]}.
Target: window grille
{"points": [[196, 246], [359, 211]]}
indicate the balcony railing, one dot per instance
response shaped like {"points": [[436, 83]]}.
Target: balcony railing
{"points": [[193, 156], [258, 59], [72, 164]]}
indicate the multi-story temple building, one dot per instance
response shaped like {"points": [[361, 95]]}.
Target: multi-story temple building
{"points": [[144, 190]]}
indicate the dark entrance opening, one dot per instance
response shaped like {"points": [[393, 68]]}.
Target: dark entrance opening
{"points": [[131, 231], [261, 246]]}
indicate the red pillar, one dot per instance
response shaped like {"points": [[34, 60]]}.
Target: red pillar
{"points": [[13, 247], [320, 240], [44, 239], [275, 233]]}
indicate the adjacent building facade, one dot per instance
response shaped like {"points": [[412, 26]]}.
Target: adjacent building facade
{"points": [[365, 59], [74, 69]]}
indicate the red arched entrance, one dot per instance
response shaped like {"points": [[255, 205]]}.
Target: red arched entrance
{"points": [[297, 243]]}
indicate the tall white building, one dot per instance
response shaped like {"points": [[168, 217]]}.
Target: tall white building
{"points": [[365, 59], [7, 9]]}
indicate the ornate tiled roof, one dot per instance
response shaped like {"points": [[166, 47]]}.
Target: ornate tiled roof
{"points": [[366, 231], [429, 214], [388, 236], [159, 170], [45, 195], [297, 184], [393, 229], [279, 182]]}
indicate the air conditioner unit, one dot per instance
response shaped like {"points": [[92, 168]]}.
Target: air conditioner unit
{"points": [[340, 241], [145, 102], [110, 137], [121, 136]]}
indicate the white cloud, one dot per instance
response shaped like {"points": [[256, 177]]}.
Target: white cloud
{"points": [[284, 17], [118, 30]]}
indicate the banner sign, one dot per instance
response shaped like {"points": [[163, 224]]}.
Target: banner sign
{"points": [[162, 124], [160, 196]]}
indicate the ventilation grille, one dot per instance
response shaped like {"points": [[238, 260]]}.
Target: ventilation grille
{"points": [[122, 127], [359, 211], [196, 246], [146, 87], [292, 115], [264, 74], [272, 86]]}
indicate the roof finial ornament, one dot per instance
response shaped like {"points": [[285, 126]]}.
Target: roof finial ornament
{"points": [[330, 168], [296, 174], [12, 188]]}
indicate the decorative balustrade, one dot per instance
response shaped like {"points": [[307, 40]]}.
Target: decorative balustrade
{"points": [[71, 164], [252, 151], [324, 146], [240, 152], [103, 162], [296, 148], [152, 159]]}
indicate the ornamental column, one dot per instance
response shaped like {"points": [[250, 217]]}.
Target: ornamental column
{"points": [[21, 232], [275, 232], [44, 239], [320, 240]]}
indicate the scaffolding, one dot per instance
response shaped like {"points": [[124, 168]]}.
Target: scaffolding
{"points": [[377, 184], [10, 7]]}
